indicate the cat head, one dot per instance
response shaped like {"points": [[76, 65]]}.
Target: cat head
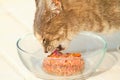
{"points": [[51, 42]]}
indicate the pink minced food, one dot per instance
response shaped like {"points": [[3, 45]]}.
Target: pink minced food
{"points": [[63, 64]]}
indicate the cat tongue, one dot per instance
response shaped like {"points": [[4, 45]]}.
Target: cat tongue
{"points": [[56, 52]]}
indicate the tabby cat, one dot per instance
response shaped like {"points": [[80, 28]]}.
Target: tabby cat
{"points": [[58, 21]]}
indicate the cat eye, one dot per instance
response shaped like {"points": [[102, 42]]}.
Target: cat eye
{"points": [[45, 42]]}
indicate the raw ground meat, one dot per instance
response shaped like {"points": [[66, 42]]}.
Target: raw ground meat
{"points": [[63, 64]]}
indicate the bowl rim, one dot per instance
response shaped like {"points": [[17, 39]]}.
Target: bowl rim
{"points": [[84, 33]]}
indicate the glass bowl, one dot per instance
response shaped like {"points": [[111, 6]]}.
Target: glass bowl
{"points": [[91, 46]]}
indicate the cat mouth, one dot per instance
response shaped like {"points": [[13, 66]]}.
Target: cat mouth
{"points": [[50, 48]]}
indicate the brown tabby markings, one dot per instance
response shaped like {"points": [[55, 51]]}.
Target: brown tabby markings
{"points": [[72, 16]]}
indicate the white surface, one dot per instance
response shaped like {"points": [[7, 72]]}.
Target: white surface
{"points": [[16, 19]]}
